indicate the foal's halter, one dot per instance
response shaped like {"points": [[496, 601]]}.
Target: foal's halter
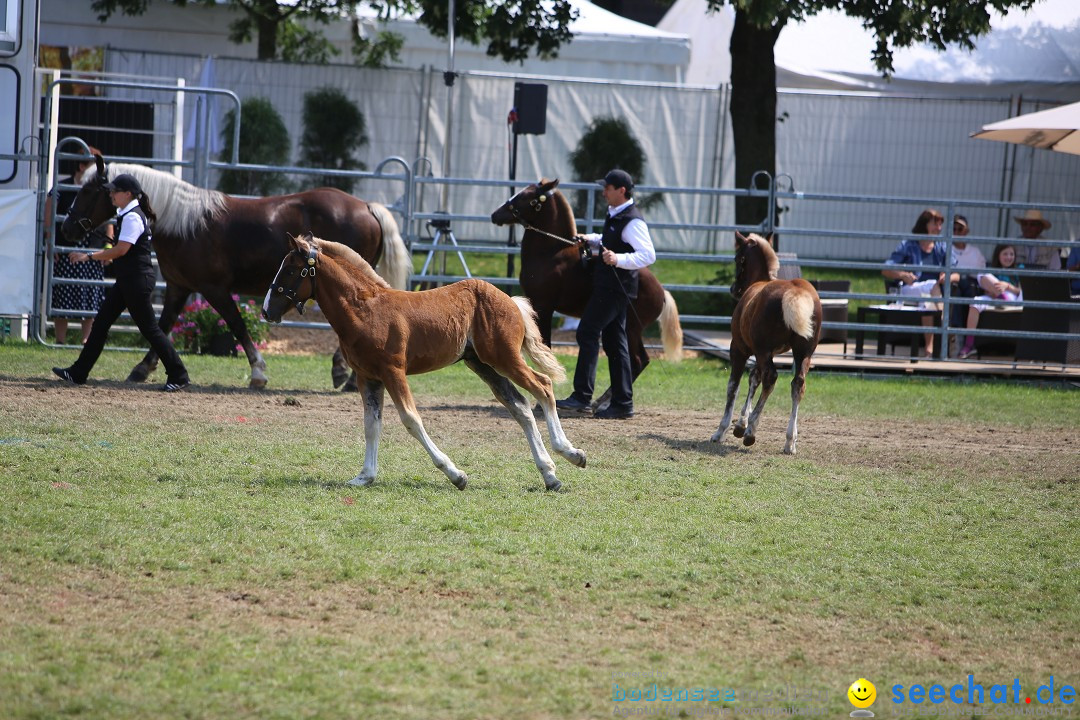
{"points": [[308, 271]]}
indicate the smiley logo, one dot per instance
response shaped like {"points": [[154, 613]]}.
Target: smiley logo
{"points": [[862, 693]]}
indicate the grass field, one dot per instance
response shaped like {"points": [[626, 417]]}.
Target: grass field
{"points": [[200, 556]]}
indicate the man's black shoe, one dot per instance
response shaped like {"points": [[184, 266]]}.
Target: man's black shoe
{"points": [[573, 404], [615, 413], [176, 386], [65, 374]]}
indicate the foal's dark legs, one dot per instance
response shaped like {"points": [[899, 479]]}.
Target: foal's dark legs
{"points": [[174, 300], [767, 375], [738, 365], [798, 389]]}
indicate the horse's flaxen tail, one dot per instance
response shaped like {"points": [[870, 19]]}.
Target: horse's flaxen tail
{"points": [[799, 312], [533, 344], [395, 265], [671, 329]]}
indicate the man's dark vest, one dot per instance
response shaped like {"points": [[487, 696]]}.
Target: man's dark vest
{"points": [[608, 276], [136, 260]]}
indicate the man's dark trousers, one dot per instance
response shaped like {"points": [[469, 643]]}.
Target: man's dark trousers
{"points": [[605, 319]]}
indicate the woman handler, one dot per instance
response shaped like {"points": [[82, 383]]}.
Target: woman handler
{"points": [[135, 279]]}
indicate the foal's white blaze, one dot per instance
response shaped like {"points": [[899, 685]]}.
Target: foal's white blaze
{"points": [[270, 291]]}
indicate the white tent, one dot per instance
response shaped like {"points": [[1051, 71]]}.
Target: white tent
{"points": [[605, 45]]}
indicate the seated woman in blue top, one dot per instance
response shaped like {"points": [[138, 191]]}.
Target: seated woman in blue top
{"points": [[928, 252]]}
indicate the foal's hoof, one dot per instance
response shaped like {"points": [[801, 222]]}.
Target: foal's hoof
{"points": [[350, 386], [460, 482], [578, 459], [339, 377], [554, 486], [362, 480], [138, 374], [748, 440], [717, 436], [739, 431], [257, 383]]}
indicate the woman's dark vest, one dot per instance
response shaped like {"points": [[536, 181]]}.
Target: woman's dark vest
{"points": [[136, 261], [608, 276]]}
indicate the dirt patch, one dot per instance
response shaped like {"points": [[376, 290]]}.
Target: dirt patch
{"points": [[302, 341], [980, 449]]}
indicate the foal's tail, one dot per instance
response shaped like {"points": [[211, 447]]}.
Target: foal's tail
{"points": [[533, 345], [799, 312], [395, 265], [671, 329]]}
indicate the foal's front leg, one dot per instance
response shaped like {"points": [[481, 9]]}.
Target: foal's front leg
{"points": [[373, 404], [755, 381], [398, 387]]}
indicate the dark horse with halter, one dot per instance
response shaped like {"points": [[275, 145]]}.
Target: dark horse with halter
{"points": [[217, 245], [388, 334], [555, 279], [772, 317]]}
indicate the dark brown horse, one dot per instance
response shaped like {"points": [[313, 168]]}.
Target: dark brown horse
{"points": [[772, 317], [555, 280], [388, 334], [217, 245]]}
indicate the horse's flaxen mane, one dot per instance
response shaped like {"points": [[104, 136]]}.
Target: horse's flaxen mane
{"points": [[350, 257], [767, 253], [182, 209]]}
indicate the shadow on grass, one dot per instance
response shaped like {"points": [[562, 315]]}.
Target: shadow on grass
{"points": [[705, 447]]}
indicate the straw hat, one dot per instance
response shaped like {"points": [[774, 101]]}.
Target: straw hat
{"points": [[1033, 216]]}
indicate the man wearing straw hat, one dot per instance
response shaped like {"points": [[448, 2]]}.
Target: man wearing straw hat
{"points": [[1032, 224]]}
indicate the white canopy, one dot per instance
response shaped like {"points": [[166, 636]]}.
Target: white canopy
{"points": [[1055, 129]]}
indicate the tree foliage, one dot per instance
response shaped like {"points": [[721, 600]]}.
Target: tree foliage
{"points": [[334, 129], [608, 143], [511, 29], [894, 23], [264, 140]]}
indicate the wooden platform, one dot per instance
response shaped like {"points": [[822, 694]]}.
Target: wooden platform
{"points": [[830, 356]]}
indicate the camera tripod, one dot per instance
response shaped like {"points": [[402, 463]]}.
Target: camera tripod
{"points": [[443, 235]]}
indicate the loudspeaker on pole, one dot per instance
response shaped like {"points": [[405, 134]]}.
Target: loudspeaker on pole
{"points": [[530, 101]]}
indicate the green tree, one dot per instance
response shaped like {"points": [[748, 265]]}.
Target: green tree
{"points": [[334, 128], [512, 29], [264, 140], [758, 23], [608, 143]]}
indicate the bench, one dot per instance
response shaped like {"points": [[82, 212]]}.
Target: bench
{"points": [[1036, 319]]}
